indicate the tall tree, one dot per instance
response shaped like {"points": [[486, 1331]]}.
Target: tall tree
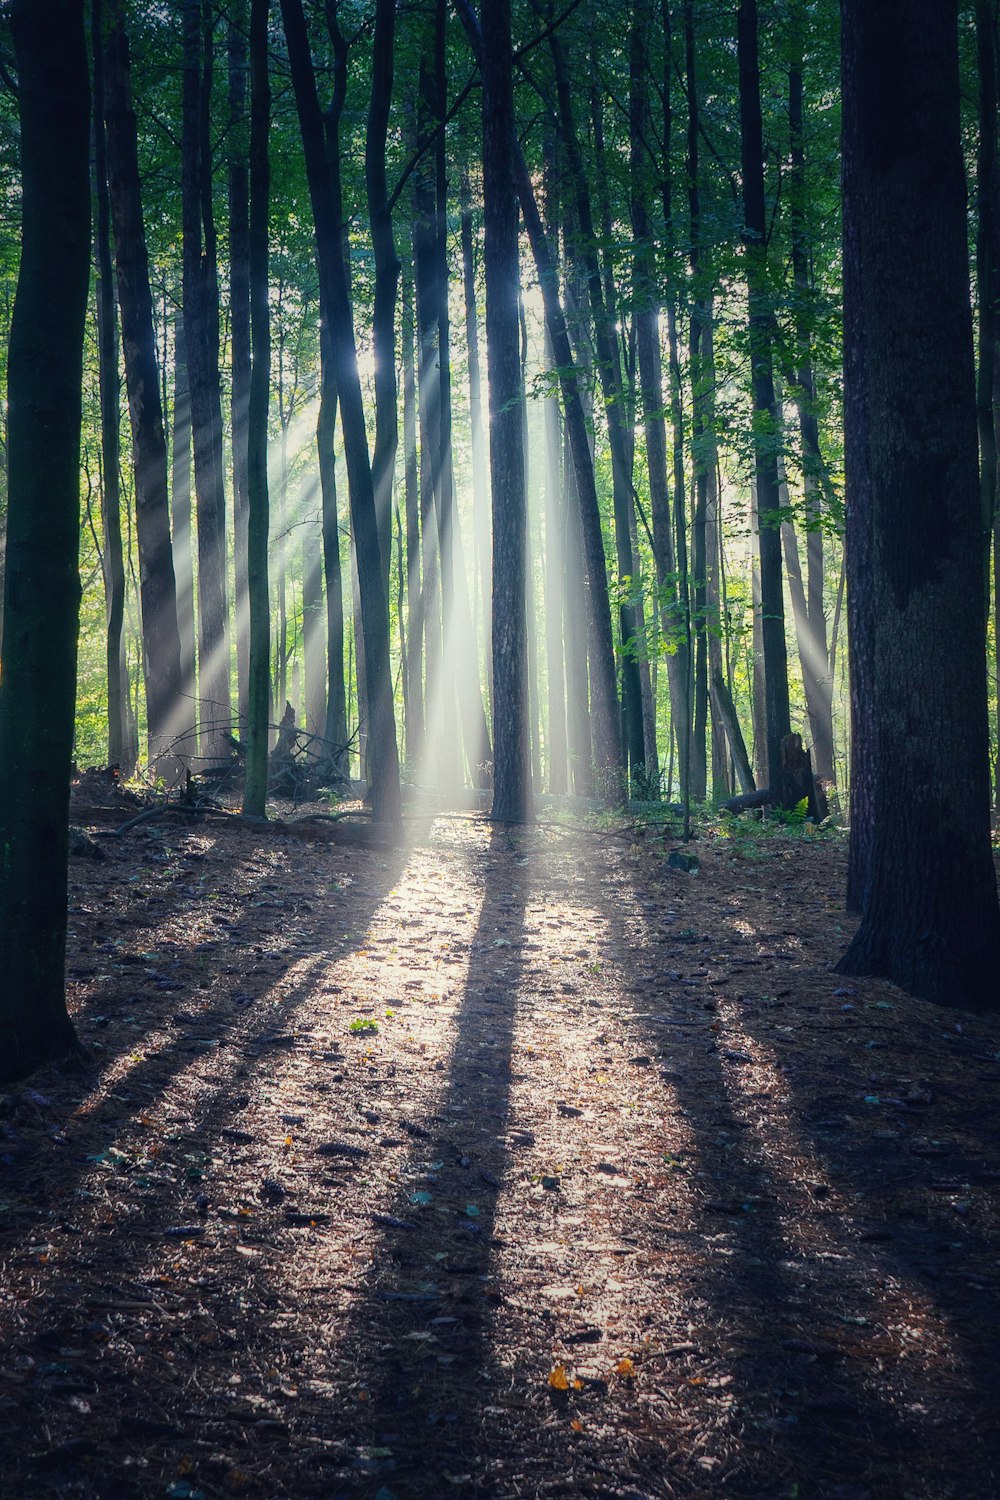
{"points": [[42, 601], [383, 760], [765, 422], [920, 826], [239, 323], [201, 337], [161, 646], [258, 697], [121, 747], [512, 791]]}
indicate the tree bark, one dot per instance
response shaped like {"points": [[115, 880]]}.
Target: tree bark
{"points": [[512, 789], [180, 521], [42, 602], [259, 676], [166, 713], [383, 761], [122, 751], [201, 336], [239, 333], [920, 830], [765, 428]]}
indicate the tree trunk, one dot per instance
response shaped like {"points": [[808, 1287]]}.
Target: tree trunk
{"points": [[180, 520], [239, 332], [259, 681], [604, 705], [818, 682], [765, 427], [512, 790], [166, 713], [386, 276], [335, 731], [383, 761], [480, 459], [611, 386], [201, 337], [122, 750], [930, 920], [413, 664], [42, 603]]}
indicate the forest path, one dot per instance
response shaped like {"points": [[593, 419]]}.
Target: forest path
{"points": [[515, 1164]]}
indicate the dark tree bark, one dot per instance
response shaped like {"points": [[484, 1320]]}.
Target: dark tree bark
{"points": [[762, 383], [817, 679], [988, 286], [611, 386], [239, 332], [512, 791], [383, 761], [920, 829], [201, 336], [122, 750], [180, 520], [701, 437], [166, 714], [668, 521], [42, 603], [336, 691], [480, 460], [604, 704], [413, 696], [259, 679], [386, 274]]}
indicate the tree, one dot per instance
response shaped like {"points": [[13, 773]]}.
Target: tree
{"points": [[41, 605], [258, 695], [160, 636], [765, 422], [512, 791], [920, 837], [383, 759]]}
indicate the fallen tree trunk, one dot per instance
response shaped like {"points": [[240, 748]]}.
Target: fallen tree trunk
{"points": [[798, 785]]}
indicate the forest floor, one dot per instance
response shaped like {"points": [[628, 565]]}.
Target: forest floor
{"points": [[514, 1164]]}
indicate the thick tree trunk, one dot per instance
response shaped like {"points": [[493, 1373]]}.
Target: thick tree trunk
{"points": [[166, 714], [512, 790], [42, 603], [383, 761], [930, 920], [259, 680], [122, 750], [762, 384]]}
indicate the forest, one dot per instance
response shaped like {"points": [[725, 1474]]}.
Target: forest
{"points": [[499, 748]]}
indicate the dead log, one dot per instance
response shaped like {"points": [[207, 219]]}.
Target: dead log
{"points": [[798, 785]]}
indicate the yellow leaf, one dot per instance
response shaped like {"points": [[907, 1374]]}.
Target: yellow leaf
{"points": [[696, 1380], [626, 1368], [558, 1379], [576, 1425], [577, 1384]]}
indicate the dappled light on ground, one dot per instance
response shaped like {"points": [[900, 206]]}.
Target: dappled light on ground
{"points": [[514, 1164]]}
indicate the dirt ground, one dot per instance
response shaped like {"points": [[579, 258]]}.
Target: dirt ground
{"points": [[515, 1164]]}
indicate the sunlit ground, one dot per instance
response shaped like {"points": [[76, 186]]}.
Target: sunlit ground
{"points": [[506, 1163]]}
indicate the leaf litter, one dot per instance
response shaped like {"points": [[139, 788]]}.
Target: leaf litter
{"points": [[263, 1251]]}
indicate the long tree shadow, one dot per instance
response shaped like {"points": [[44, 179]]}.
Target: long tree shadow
{"points": [[419, 1332], [93, 1194], [799, 1376]]}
